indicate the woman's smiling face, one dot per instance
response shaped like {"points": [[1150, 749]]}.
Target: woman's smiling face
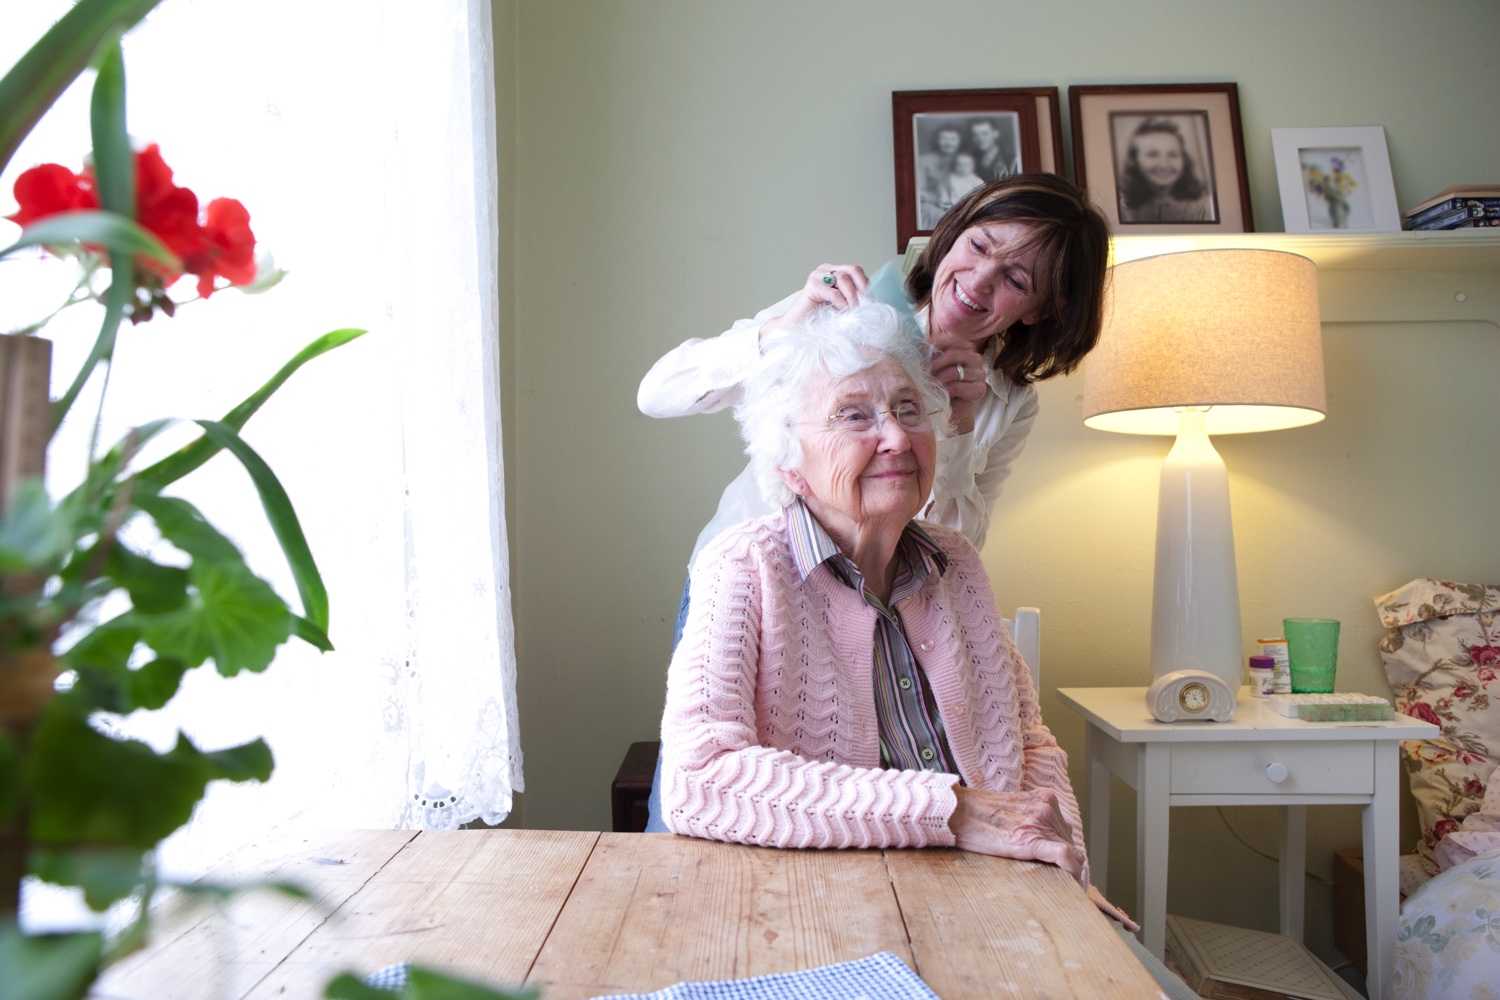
{"points": [[981, 287], [1159, 155]]}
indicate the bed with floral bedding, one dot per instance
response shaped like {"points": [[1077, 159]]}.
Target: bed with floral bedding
{"points": [[1442, 657]]}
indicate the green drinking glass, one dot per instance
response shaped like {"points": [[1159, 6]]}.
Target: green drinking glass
{"points": [[1312, 649]]}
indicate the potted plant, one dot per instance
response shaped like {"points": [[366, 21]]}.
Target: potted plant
{"points": [[80, 806]]}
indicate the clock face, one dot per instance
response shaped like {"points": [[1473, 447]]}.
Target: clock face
{"points": [[1193, 697]]}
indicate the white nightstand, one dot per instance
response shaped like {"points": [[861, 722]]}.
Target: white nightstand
{"points": [[1256, 758]]}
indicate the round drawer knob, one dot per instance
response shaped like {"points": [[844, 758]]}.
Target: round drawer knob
{"points": [[1276, 773]]}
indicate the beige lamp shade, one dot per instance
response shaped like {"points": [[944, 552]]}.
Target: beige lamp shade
{"points": [[1235, 332]]}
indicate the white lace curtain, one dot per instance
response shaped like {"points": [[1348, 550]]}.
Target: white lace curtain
{"points": [[360, 136]]}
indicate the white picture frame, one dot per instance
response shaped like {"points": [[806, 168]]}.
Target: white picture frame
{"points": [[1335, 180]]}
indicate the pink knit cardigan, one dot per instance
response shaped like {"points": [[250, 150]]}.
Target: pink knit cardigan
{"points": [[769, 735]]}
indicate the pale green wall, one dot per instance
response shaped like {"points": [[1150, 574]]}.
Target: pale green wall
{"points": [[672, 165]]}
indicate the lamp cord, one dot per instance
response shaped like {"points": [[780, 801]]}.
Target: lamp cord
{"points": [[1255, 850]]}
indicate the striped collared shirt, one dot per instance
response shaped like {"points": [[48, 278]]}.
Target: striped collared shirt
{"points": [[911, 728]]}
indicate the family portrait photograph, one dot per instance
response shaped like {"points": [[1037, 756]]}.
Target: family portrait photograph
{"points": [[956, 153], [1164, 165], [949, 143]]}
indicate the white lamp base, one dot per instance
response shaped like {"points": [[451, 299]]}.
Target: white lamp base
{"points": [[1195, 608]]}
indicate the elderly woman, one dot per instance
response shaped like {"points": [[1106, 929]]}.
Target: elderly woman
{"points": [[843, 679]]}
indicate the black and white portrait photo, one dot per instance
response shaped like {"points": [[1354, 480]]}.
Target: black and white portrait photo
{"points": [[956, 153], [1164, 167]]}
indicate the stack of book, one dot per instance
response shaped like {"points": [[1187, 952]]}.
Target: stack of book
{"points": [[1462, 206]]}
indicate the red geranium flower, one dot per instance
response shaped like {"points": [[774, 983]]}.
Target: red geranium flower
{"points": [[228, 247], [221, 245], [49, 189], [168, 211], [1422, 710], [1486, 655]]}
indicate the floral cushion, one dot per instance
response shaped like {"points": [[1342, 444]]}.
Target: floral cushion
{"points": [[1448, 940], [1442, 657]]}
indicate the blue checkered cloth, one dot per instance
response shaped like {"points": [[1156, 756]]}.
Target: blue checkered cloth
{"points": [[882, 976], [392, 977]]}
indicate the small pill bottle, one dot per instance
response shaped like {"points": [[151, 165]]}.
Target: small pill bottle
{"points": [[1262, 675], [1281, 674]]}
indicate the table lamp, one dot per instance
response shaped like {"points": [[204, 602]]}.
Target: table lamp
{"points": [[1194, 344]]}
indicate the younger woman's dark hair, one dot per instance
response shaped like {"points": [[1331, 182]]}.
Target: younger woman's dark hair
{"points": [[1071, 237], [1137, 191]]}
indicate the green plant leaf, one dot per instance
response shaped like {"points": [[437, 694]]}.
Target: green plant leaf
{"points": [[347, 986], [181, 524], [422, 984], [151, 685], [283, 518], [114, 166], [311, 634], [247, 762], [122, 690], [33, 534], [121, 293], [154, 589], [190, 457], [103, 228], [92, 789], [45, 71], [106, 646], [106, 874], [429, 984], [47, 966], [10, 776], [219, 891], [95, 492], [234, 618]]}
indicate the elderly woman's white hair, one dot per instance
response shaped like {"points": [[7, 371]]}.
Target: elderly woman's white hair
{"points": [[839, 343]]}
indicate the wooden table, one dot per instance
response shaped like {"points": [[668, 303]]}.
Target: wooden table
{"points": [[585, 914]]}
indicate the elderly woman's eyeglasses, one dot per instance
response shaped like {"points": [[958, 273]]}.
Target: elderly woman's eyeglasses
{"points": [[864, 419]]}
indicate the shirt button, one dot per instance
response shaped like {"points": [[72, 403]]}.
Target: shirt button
{"points": [[924, 646], [905, 683], [927, 753]]}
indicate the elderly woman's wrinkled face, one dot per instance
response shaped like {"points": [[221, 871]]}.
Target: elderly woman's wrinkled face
{"points": [[856, 469]]}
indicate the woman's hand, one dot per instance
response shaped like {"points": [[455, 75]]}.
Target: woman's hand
{"points": [[849, 283], [1026, 826], [957, 363]]}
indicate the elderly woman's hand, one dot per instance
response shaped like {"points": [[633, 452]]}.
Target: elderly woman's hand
{"points": [[1026, 826], [848, 284]]}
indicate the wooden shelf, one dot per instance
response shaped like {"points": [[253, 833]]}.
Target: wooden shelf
{"points": [[1450, 250], [1418, 277]]}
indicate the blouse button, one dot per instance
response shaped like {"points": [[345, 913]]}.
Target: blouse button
{"points": [[927, 753], [925, 645], [905, 683]]}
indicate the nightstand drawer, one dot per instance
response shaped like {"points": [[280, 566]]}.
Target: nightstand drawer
{"points": [[1273, 768]]}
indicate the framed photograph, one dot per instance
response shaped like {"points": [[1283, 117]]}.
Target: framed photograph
{"points": [[1163, 158], [1335, 179], [948, 142]]}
